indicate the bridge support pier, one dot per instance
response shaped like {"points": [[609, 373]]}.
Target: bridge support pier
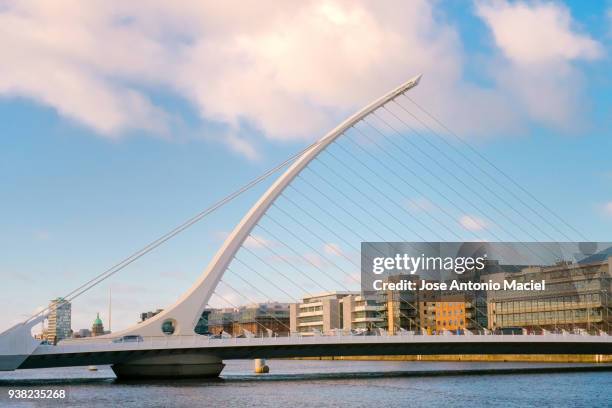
{"points": [[261, 367], [187, 365]]}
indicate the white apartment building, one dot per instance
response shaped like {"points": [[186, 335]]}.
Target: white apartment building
{"points": [[330, 311]]}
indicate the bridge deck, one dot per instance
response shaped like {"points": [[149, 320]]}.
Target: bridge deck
{"points": [[104, 351]]}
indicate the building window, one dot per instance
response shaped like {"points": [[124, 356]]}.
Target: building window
{"points": [[168, 326]]}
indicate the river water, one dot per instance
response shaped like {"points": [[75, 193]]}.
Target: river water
{"points": [[315, 383]]}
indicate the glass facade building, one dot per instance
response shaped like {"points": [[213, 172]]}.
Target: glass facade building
{"points": [[576, 297], [59, 320]]}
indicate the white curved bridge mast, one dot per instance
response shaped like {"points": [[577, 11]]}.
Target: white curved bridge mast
{"points": [[187, 310]]}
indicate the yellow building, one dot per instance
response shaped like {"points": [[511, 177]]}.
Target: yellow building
{"points": [[451, 314]]}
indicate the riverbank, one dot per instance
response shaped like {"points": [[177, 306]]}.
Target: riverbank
{"points": [[533, 358]]}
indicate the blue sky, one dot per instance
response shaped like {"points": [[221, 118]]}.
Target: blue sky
{"points": [[119, 123]]}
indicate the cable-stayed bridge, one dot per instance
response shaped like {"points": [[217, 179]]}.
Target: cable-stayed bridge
{"points": [[366, 180]]}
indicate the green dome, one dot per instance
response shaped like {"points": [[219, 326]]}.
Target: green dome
{"points": [[98, 321]]}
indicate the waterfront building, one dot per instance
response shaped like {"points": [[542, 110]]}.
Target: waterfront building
{"points": [[259, 319], [461, 310], [400, 307], [452, 309], [426, 306], [59, 320], [97, 328], [450, 314], [433, 311], [262, 319], [147, 315], [576, 296], [362, 312], [202, 325], [331, 311], [221, 320], [319, 313], [82, 333]]}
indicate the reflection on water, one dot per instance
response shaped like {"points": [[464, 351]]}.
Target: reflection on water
{"points": [[317, 383]]}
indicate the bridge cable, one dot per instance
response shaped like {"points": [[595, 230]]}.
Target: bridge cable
{"points": [[455, 177], [276, 270], [470, 174], [238, 308], [403, 165], [250, 300], [455, 205], [300, 255], [442, 209], [278, 255], [318, 252], [404, 195], [266, 279], [331, 231], [382, 193], [161, 240], [524, 190], [480, 212], [357, 219]]}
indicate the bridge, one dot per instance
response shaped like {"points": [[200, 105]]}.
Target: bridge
{"points": [[166, 345], [203, 355]]}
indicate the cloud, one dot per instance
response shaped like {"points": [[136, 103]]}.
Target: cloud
{"points": [[472, 223], [540, 44], [65, 56], [419, 204], [333, 249], [242, 146], [258, 241], [281, 71], [536, 33]]}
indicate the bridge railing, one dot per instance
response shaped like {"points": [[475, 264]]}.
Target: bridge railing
{"points": [[159, 342]]}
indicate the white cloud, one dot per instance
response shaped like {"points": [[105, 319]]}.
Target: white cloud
{"points": [[62, 56], [257, 241], [536, 33], [472, 223], [540, 43], [287, 70], [607, 208], [242, 146]]}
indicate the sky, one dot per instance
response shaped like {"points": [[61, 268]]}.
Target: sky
{"points": [[120, 120]]}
